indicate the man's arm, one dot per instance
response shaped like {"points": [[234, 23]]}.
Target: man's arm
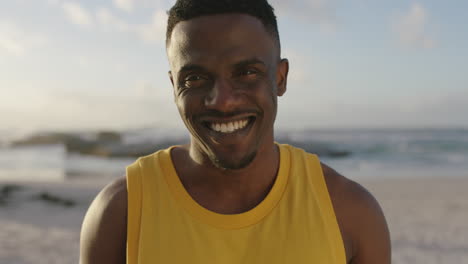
{"points": [[104, 231], [362, 222]]}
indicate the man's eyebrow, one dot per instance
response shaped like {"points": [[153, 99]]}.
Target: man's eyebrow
{"points": [[240, 64], [191, 67], [247, 62]]}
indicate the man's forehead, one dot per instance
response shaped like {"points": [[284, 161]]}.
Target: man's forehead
{"points": [[220, 35], [216, 21]]}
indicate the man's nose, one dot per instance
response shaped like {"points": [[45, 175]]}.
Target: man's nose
{"points": [[223, 96]]}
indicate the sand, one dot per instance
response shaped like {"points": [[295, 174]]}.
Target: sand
{"points": [[428, 220], [35, 231]]}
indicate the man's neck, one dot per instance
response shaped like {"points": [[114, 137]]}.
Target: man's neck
{"points": [[228, 191]]}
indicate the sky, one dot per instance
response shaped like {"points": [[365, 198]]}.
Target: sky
{"points": [[79, 65]]}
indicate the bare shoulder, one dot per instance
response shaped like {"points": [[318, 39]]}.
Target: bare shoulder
{"points": [[104, 230], [361, 220]]}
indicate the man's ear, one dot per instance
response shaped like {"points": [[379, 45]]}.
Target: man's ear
{"points": [[282, 76], [169, 73]]}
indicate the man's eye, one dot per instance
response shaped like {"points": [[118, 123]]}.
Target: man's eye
{"points": [[249, 72], [192, 80]]}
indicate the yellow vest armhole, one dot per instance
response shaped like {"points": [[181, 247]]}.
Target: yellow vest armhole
{"points": [[321, 188], [134, 196]]}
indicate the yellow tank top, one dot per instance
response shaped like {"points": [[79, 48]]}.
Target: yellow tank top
{"points": [[295, 223]]}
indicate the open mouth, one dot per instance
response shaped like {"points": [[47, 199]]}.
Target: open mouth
{"points": [[228, 127]]}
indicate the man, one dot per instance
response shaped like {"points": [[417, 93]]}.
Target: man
{"points": [[232, 195]]}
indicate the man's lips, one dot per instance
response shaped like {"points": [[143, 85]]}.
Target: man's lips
{"points": [[227, 125]]}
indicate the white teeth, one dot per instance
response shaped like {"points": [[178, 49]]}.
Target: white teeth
{"points": [[224, 128], [229, 127]]}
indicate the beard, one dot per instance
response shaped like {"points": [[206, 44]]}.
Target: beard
{"points": [[229, 164]]}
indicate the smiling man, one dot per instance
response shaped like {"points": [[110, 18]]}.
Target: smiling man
{"points": [[232, 195]]}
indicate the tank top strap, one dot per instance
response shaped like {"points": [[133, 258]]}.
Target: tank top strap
{"points": [[134, 204], [322, 194]]}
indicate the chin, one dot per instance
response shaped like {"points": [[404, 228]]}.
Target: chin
{"points": [[229, 163]]}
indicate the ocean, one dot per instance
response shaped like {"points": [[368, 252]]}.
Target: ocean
{"points": [[361, 153]]}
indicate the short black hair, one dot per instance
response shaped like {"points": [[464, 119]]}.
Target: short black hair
{"points": [[188, 9]]}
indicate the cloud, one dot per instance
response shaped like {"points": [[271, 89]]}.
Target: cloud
{"points": [[410, 28], [77, 14], [134, 5], [151, 32], [53, 2], [126, 5], [16, 41], [154, 32], [110, 22], [320, 12]]}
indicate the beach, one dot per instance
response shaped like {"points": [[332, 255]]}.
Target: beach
{"points": [[427, 219], [35, 230], [40, 222]]}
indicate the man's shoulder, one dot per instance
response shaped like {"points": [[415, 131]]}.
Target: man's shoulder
{"points": [[103, 234], [343, 189], [360, 217], [349, 198], [113, 195]]}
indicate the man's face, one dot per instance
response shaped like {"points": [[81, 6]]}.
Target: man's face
{"points": [[227, 74]]}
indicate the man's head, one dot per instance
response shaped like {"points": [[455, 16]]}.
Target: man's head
{"points": [[184, 10], [227, 73]]}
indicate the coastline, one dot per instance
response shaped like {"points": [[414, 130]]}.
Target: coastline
{"points": [[426, 218]]}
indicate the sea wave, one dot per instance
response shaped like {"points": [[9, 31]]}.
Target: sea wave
{"points": [[356, 153]]}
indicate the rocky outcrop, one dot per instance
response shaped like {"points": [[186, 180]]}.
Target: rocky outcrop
{"points": [[54, 199], [103, 144], [110, 144], [45, 139], [6, 191]]}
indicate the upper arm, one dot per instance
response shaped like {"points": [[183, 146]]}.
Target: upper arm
{"points": [[368, 230], [104, 230], [361, 220]]}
